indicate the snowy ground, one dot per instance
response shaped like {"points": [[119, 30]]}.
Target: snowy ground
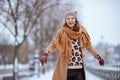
{"points": [[48, 76]]}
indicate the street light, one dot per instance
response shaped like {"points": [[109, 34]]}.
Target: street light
{"points": [[36, 63]]}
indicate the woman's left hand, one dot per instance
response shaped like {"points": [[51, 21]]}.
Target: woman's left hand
{"points": [[101, 61]]}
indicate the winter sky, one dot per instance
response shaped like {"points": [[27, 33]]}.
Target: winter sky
{"points": [[101, 18]]}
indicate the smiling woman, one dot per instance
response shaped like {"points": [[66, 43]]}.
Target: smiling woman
{"points": [[71, 21], [71, 40]]}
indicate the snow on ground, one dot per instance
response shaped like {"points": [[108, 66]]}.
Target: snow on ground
{"points": [[48, 76], [10, 66], [90, 76]]}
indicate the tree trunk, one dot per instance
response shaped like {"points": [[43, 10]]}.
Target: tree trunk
{"points": [[15, 63]]}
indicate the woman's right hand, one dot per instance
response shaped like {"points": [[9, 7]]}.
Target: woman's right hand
{"points": [[43, 58]]}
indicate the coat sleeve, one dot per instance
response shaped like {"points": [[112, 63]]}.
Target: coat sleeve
{"points": [[87, 43], [52, 45]]}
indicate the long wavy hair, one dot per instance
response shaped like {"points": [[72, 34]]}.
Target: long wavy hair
{"points": [[75, 27]]}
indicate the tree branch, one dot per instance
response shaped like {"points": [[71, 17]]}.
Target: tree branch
{"points": [[7, 28], [12, 13]]}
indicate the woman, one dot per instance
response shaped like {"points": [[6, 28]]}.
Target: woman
{"points": [[71, 40]]}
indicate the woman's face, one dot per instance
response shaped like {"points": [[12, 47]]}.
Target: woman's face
{"points": [[70, 20]]}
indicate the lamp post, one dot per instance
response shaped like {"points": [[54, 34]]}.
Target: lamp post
{"points": [[36, 63]]}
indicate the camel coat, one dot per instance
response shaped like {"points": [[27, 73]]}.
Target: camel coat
{"points": [[60, 71]]}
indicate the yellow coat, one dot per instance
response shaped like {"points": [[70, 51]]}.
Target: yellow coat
{"points": [[60, 72]]}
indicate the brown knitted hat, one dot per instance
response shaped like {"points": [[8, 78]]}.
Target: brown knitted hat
{"points": [[72, 13]]}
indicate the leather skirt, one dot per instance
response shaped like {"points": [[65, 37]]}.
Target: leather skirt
{"points": [[75, 74]]}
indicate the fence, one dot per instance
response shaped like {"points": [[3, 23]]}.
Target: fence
{"points": [[108, 72]]}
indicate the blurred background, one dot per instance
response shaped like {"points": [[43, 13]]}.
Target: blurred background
{"points": [[28, 26]]}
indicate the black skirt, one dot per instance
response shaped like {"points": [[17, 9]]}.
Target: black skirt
{"points": [[75, 74]]}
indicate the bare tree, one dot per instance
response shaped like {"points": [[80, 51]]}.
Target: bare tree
{"points": [[50, 20], [22, 17]]}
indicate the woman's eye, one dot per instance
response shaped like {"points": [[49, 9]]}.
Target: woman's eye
{"points": [[68, 18], [73, 18]]}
